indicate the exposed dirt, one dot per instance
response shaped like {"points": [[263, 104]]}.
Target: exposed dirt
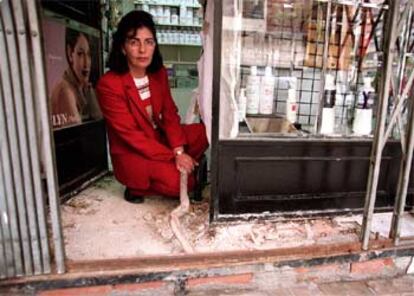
{"points": [[99, 224]]}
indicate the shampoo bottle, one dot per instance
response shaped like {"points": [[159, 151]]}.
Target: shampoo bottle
{"points": [[242, 105], [253, 91], [362, 124], [267, 86], [328, 111], [291, 104]]}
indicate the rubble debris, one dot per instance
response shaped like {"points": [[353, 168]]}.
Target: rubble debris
{"points": [[148, 232]]}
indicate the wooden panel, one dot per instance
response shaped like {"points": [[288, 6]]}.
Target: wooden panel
{"points": [[257, 176]]}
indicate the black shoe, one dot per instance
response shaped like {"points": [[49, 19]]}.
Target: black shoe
{"points": [[132, 198], [201, 179]]}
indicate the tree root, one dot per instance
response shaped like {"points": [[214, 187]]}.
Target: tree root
{"points": [[180, 211]]}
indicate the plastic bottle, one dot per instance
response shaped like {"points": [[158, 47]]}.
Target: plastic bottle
{"points": [[161, 36], [253, 91], [242, 105], [189, 16], [328, 111], [183, 15], [159, 14], [267, 87], [362, 124], [167, 15], [174, 16], [187, 37], [291, 104], [366, 95], [175, 36]]}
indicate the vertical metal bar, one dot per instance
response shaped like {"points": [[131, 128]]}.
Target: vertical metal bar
{"points": [[214, 205], [377, 144], [10, 156], [398, 104], [3, 264], [37, 221], [17, 113], [5, 243], [407, 155], [26, 123], [403, 58], [48, 146], [7, 237], [324, 59], [403, 63], [360, 50], [403, 180]]}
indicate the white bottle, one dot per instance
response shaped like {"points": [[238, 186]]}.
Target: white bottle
{"points": [[196, 19], [267, 87], [159, 14], [183, 15], [187, 37], [174, 16], [161, 36], [362, 124], [167, 15], [181, 37], [328, 111], [291, 104], [253, 91], [189, 16], [366, 94], [242, 105], [174, 36]]}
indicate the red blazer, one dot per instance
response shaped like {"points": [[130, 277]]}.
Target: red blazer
{"points": [[129, 127]]}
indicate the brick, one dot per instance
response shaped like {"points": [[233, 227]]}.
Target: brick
{"points": [[140, 286], [244, 278], [372, 266], [321, 268], [323, 273], [277, 279]]}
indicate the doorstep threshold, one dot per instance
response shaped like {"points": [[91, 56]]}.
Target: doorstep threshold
{"points": [[150, 268]]}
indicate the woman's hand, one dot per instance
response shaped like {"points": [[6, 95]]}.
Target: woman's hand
{"points": [[185, 163]]}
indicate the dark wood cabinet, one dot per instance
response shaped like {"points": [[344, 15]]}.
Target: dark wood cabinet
{"points": [[288, 175]]}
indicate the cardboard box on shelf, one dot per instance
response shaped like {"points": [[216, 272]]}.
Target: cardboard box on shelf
{"points": [[270, 125], [340, 42]]}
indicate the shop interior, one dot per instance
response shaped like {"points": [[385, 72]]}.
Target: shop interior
{"points": [[284, 75]]}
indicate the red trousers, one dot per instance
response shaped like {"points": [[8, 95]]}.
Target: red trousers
{"points": [[162, 177]]}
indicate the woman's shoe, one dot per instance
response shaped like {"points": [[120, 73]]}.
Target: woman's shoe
{"points": [[132, 198]]}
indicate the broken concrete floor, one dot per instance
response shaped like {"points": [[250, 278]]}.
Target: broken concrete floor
{"points": [[99, 224]]}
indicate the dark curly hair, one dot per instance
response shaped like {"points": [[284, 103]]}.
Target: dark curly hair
{"points": [[132, 21]]}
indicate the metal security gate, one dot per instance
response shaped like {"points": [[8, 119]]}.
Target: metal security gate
{"points": [[28, 185]]}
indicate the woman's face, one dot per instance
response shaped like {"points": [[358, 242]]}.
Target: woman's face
{"points": [[139, 49], [80, 59]]}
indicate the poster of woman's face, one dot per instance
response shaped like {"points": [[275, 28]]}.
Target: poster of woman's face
{"points": [[73, 68]]}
